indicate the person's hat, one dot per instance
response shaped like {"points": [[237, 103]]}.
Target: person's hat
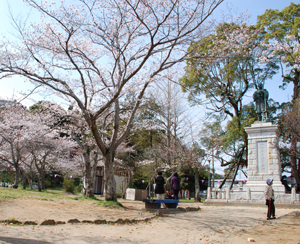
{"points": [[269, 181]]}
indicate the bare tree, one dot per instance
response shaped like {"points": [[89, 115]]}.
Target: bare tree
{"points": [[178, 148], [171, 113]]}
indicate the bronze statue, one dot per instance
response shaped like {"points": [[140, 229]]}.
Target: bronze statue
{"points": [[260, 98]]}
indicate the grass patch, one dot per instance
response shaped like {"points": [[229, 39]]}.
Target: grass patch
{"points": [[110, 204], [93, 198], [7, 194], [9, 197], [44, 199], [186, 200], [46, 195]]}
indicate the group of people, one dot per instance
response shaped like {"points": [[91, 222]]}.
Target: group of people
{"points": [[160, 186], [175, 182], [288, 182], [4, 184]]}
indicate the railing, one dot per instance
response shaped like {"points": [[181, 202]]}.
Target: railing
{"points": [[247, 195]]}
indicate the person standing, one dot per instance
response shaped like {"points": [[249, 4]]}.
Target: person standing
{"points": [[159, 186], [269, 195], [175, 181]]}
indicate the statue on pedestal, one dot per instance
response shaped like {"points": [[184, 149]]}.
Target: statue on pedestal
{"points": [[260, 98]]}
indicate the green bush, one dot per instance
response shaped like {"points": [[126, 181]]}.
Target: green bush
{"points": [[78, 188], [68, 185], [137, 182], [48, 183]]}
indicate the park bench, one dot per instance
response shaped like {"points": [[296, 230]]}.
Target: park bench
{"points": [[156, 203]]}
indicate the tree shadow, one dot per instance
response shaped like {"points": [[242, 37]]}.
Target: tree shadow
{"points": [[22, 241]]}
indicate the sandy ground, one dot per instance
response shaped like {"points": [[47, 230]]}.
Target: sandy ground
{"points": [[212, 224]]}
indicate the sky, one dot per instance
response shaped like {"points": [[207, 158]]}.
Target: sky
{"points": [[11, 88]]}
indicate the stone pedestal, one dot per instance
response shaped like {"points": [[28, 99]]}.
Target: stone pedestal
{"points": [[263, 157], [135, 194], [263, 164], [208, 193]]}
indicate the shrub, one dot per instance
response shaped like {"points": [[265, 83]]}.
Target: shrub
{"points": [[78, 188], [48, 183], [137, 182], [68, 185]]}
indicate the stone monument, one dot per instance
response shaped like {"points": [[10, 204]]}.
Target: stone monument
{"points": [[263, 161], [263, 153]]}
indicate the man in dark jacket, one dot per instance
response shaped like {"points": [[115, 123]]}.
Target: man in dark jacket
{"points": [[159, 186]]}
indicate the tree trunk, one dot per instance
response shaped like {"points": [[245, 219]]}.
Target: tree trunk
{"points": [[38, 176], [129, 180], [39, 182], [30, 176], [225, 178], [296, 94], [294, 160], [42, 175], [23, 176], [110, 191], [29, 179], [197, 186], [17, 174], [89, 187], [298, 167], [93, 176], [236, 170]]}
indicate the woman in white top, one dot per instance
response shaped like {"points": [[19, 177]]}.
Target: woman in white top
{"points": [[269, 195]]}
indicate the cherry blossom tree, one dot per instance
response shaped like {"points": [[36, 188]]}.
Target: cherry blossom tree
{"points": [[30, 145], [71, 124], [15, 131], [94, 52], [50, 153], [290, 131], [291, 119]]}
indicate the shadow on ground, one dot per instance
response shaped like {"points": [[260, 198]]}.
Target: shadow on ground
{"points": [[20, 241]]}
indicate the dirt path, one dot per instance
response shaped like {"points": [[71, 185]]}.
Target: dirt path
{"points": [[212, 224]]}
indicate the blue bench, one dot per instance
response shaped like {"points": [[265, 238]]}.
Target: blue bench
{"points": [[156, 203]]}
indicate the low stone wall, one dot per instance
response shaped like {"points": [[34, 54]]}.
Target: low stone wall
{"points": [[246, 195]]}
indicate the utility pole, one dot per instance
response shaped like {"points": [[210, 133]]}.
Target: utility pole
{"points": [[213, 170], [209, 182]]}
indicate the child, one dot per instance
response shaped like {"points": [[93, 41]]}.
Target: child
{"points": [[168, 195], [269, 195]]}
